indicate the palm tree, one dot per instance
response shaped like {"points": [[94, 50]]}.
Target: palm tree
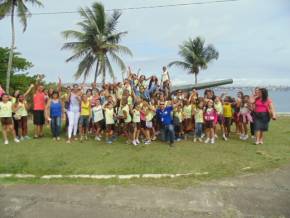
{"points": [[96, 43], [196, 56], [8, 8]]}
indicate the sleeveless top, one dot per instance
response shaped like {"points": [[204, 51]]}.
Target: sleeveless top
{"points": [[39, 101], [6, 109], [55, 108], [74, 104]]}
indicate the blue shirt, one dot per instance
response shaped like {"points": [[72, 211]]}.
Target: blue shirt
{"points": [[165, 115]]}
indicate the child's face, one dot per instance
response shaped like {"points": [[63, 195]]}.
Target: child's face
{"points": [[210, 104], [5, 98], [85, 98], [200, 105], [21, 98]]}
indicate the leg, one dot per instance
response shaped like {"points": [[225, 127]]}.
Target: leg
{"points": [[70, 116], [4, 132], [75, 123]]}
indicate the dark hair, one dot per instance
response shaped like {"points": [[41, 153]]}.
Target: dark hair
{"points": [[264, 93], [89, 90], [55, 93]]}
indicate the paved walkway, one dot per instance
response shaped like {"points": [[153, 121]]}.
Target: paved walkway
{"points": [[262, 195]]}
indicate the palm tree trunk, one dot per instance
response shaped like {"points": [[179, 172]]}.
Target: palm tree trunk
{"points": [[8, 73], [104, 76], [96, 72], [195, 77]]}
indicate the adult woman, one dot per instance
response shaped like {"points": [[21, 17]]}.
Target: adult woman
{"points": [[264, 111], [39, 99], [73, 112]]}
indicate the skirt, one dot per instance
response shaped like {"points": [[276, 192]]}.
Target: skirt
{"points": [[262, 121]]}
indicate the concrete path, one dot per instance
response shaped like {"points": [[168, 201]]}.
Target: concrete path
{"points": [[262, 195]]}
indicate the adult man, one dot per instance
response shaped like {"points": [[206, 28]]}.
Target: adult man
{"points": [[164, 114]]}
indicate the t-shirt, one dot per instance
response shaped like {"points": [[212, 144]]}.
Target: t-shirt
{"points": [[97, 114], [261, 107], [21, 111], [6, 109], [109, 116], [165, 115], [187, 110], [85, 108], [198, 116], [39, 101], [127, 110], [228, 112], [219, 108], [136, 116]]}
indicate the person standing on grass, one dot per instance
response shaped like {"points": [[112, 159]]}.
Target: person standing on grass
{"points": [[6, 119], [136, 124], [98, 119], [110, 121], [85, 115], [73, 112], [264, 111], [210, 117], [164, 113], [39, 100], [54, 114]]}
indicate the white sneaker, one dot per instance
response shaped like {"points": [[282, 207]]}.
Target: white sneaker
{"points": [[6, 142], [147, 143], [242, 136], [16, 140], [137, 141], [134, 143], [216, 136], [194, 140], [200, 139], [245, 137], [212, 141], [97, 138], [203, 135], [207, 141], [225, 138]]}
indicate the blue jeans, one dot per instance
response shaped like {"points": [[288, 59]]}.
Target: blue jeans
{"points": [[55, 125], [198, 130], [169, 133]]}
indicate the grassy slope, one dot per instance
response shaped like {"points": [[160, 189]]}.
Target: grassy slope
{"points": [[42, 157]]}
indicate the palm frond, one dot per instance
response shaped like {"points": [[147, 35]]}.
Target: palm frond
{"points": [[118, 61], [5, 8], [22, 13]]}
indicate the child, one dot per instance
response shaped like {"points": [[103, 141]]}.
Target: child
{"points": [[147, 122], [177, 121], [187, 119], [85, 115], [210, 116], [199, 120], [127, 120], [245, 117], [98, 118], [220, 116], [6, 118], [136, 124], [110, 122], [20, 108], [228, 115], [54, 112]]}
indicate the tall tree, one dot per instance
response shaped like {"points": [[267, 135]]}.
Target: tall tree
{"points": [[196, 56], [8, 8], [97, 42]]}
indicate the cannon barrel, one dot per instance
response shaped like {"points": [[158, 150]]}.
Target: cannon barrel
{"points": [[201, 85]]}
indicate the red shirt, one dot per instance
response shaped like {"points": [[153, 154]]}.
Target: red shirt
{"points": [[261, 107], [39, 101]]}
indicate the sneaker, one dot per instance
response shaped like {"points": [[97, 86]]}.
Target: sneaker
{"points": [[58, 138], [53, 138], [147, 142], [16, 140], [154, 138], [137, 141], [194, 140], [22, 139], [68, 141], [97, 138], [253, 137], [216, 136], [109, 142], [245, 137], [242, 136], [212, 141], [178, 139], [134, 143], [207, 141], [26, 137], [6, 142], [86, 138], [203, 135], [200, 139]]}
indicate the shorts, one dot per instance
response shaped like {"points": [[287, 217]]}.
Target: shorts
{"points": [[38, 117], [128, 127], [84, 121], [143, 124], [227, 121], [220, 119], [5, 121], [136, 126], [110, 127], [209, 124]]}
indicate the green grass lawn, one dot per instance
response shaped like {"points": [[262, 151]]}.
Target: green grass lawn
{"points": [[44, 157]]}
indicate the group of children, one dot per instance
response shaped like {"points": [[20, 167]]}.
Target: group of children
{"points": [[126, 109]]}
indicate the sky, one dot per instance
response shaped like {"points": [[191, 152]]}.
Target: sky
{"points": [[252, 37]]}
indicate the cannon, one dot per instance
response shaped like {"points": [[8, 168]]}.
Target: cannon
{"points": [[205, 85]]}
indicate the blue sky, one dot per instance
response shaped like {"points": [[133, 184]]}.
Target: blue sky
{"points": [[252, 37]]}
